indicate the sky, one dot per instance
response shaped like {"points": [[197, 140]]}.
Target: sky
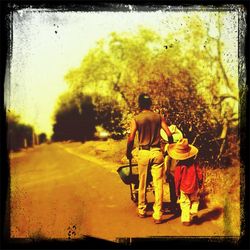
{"points": [[47, 44]]}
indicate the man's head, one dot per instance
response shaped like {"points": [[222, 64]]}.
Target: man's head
{"points": [[144, 101]]}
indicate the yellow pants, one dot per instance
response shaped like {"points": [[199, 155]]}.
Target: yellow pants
{"points": [[153, 159], [189, 204]]}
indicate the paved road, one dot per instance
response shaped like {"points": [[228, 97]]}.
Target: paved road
{"points": [[58, 194]]}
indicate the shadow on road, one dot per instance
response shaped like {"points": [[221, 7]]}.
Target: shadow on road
{"points": [[211, 215], [214, 214], [203, 200], [168, 209]]}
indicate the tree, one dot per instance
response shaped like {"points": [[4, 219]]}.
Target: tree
{"points": [[74, 119], [183, 72], [205, 64], [42, 138], [116, 65], [109, 116], [19, 135]]}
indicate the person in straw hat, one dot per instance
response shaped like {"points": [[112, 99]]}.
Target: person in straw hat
{"points": [[150, 157], [188, 178]]}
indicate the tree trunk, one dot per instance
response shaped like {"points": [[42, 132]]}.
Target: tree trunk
{"points": [[223, 137]]}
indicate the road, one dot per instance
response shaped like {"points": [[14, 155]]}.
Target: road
{"points": [[56, 193]]}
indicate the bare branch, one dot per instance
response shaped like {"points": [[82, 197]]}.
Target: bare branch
{"points": [[222, 98]]}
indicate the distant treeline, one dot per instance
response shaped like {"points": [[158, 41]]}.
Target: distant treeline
{"points": [[20, 135], [77, 118]]}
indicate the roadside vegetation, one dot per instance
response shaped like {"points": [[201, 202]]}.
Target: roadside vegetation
{"points": [[20, 135], [185, 73]]}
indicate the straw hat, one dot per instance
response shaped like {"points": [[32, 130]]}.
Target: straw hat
{"points": [[176, 133], [181, 150]]}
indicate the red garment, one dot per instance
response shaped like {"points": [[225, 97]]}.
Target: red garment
{"points": [[186, 178]]}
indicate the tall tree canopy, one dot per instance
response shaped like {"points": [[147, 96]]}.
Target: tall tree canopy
{"points": [[184, 72]]}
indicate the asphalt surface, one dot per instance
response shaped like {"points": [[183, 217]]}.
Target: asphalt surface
{"points": [[57, 194]]}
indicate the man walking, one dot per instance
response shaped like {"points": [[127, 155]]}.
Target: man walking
{"points": [[150, 157]]}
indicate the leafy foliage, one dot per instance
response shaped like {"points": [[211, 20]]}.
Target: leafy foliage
{"points": [[109, 116], [75, 120], [42, 137], [184, 73], [19, 135], [77, 117]]}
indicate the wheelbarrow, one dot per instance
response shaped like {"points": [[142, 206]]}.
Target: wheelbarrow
{"points": [[130, 176]]}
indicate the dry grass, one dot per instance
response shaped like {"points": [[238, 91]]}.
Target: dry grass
{"points": [[223, 189], [110, 150]]}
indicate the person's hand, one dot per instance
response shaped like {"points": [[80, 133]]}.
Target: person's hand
{"points": [[129, 156]]}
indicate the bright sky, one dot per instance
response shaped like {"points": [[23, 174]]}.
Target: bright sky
{"points": [[47, 44]]}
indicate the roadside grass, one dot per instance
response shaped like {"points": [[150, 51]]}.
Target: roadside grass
{"points": [[223, 189]]}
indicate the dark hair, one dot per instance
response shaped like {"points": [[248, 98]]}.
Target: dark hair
{"points": [[144, 101], [187, 162]]}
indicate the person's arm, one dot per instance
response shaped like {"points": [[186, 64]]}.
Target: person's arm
{"points": [[166, 129], [131, 138]]}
